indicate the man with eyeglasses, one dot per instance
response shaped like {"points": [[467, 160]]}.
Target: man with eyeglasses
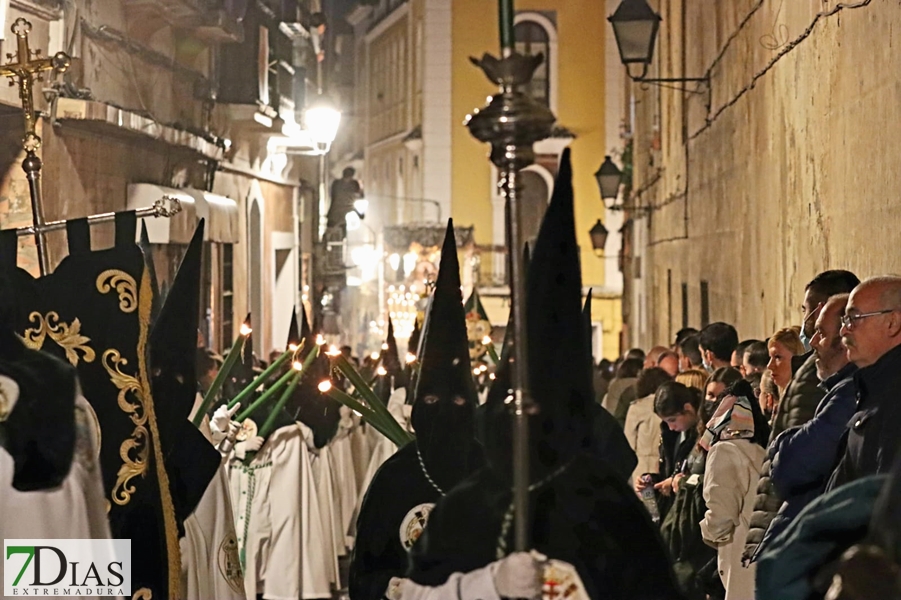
{"points": [[800, 398], [871, 330], [803, 457]]}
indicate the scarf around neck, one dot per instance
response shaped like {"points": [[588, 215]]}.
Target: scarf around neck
{"points": [[733, 420]]}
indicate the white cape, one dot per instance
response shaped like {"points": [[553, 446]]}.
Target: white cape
{"points": [[209, 550], [74, 510], [278, 522]]}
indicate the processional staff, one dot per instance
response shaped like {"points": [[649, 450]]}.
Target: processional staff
{"points": [[26, 67], [512, 122]]}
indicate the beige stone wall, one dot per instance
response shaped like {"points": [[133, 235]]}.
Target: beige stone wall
{"points": [[788, 167]]}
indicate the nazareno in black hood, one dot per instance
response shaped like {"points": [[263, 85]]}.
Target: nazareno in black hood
{"points": [[445, 399]]}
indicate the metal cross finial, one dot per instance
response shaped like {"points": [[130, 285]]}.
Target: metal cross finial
{"points": [[24, 71]]}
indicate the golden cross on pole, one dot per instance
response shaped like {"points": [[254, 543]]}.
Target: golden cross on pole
{"points": [[24, 71]]}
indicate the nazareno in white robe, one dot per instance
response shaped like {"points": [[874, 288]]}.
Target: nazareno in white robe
{"points": [[74, 510], [209, 549], [278, 521], [333, 537], [343, 476]]}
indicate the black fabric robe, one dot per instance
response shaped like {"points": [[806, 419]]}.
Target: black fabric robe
{"points": [[397, 488], [586, 516]]}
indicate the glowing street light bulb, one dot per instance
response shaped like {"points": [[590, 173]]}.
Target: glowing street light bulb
{"points": [[325, 386], [245, 329]]}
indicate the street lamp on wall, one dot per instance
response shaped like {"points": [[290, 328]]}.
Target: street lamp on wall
{"points": [[598, 235], [609, 178], [321, 121], [635, 27]]}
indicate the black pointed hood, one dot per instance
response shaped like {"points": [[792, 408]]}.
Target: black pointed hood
{"points": [[559, 381], [293, 331], [190, 460], [445, 397], [586, 322], [173, 339], [144, 245], [390, 358], [242, 372]]}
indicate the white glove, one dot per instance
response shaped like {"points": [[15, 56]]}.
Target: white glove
{"points": [[220, 424], [251, 445], [395, 588], [9, 395], [520, 575]]}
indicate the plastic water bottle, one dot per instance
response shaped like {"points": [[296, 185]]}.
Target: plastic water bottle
{"points": [[649, 499]]}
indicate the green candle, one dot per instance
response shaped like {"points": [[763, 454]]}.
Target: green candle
{"points": [[248, 391], [283, 380], [236, 350], [394, 433], [505, 14]]}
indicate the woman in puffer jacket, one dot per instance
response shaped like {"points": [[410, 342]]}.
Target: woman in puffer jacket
{"points": [[735, 440]]}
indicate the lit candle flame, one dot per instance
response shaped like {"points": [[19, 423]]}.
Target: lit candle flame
{"points": [[384, 345], [359, 414], [476, 371], [245, 329], [293, 347], [325, 386], [381, 371], [486, 340], [492, 376], [333, 351], [411, 358], [320, 341], [298, 366]]}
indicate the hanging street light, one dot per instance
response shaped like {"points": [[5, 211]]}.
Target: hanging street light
{"points": [[635, 27], [598, 235], [609, 178]]}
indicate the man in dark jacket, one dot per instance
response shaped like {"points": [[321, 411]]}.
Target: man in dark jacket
{"points": [[801, 397], [803, 457], [871, 330]]}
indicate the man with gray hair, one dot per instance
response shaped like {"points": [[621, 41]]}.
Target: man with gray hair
{"points": [[803, 457], [871, 330]]}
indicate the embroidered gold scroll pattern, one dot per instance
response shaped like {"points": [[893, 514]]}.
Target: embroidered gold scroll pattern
{"points": [[68, 337], [125, 286], [134, 450]]}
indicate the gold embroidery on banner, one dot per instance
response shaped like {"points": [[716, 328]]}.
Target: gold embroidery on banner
{"points": [[68, 337], [125, 286], [142, 594], [133, 450], [173, 551]]}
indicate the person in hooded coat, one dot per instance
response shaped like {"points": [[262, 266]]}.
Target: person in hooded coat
{"points": [[398, 502], [581, 511]]}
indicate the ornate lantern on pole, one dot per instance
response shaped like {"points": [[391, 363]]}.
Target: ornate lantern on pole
{"points": [[598, 235], [511, 123]]}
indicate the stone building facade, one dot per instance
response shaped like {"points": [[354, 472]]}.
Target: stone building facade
{"points": [[181, 97], [782, 167]]}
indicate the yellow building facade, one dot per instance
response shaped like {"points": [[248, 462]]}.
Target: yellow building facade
{"points": [[416, 85]]}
